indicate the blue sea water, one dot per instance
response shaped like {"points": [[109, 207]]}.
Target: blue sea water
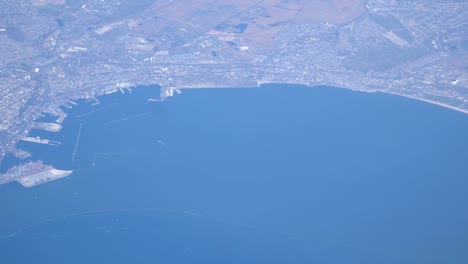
{"points": [[278, 174]]}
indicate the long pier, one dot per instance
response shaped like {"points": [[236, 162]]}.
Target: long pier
{"points": [[77, 140]]}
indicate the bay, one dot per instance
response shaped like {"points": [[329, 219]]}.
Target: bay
{"points": [[277, 174]]}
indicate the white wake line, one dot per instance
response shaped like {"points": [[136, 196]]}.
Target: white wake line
{"points": [[96, 110], [24, 229], [224, 221], [161, 143], [127, 118]]}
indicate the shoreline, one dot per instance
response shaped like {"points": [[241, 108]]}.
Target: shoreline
{"points": [[262, 83], [259, 84], [430, 102]]}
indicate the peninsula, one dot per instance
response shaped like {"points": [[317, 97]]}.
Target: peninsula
{"points": [[32, 174]]}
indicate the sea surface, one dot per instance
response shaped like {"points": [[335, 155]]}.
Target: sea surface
{"points": [[277, 174]]}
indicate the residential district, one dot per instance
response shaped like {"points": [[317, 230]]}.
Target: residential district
{"points": [[54, 52]]}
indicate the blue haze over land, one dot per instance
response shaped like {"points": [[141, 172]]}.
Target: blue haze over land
{"points": [[270, 175]]}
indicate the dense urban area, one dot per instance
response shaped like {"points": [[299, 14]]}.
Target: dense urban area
{"points": [[54, 52]]}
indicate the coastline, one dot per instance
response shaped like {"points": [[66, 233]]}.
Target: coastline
{"points": [[261, 83], [431, 102]]}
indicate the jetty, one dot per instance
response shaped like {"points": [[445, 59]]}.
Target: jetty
{"points": [[77, 141]]}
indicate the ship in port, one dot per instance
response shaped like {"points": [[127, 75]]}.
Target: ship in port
{"points": [[40, 141]]}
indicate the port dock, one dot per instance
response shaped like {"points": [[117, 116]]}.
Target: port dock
{"points": [[42, 177], [33, 173]]}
